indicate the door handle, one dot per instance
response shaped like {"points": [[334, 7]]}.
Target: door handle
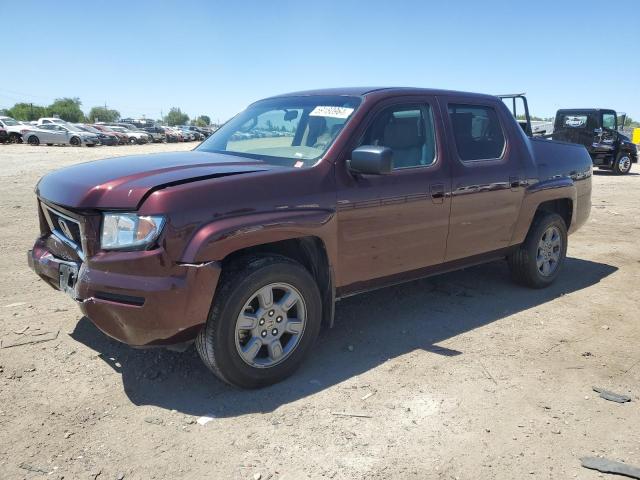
{"points": [[437, 193], [514, 183]]}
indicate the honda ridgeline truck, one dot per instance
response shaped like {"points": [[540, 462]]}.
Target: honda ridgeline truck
{"points": [[245, 243]]}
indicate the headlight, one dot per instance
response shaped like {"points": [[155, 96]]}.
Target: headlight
{"points": [[128, 230]]}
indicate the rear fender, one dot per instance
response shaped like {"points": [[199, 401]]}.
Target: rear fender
{"points": [[538, 193]]}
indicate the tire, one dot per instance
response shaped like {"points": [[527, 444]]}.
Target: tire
{"points": [[622, 165], [15, 138], [75, 141], [133, 140], [219, 342], [33, 140], [524, 262], [49, 144]]}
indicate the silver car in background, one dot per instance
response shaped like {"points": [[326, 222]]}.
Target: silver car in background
{"points": [[56, 134]]}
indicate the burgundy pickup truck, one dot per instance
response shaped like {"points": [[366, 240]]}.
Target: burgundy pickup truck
{"points": [[245, 243]]}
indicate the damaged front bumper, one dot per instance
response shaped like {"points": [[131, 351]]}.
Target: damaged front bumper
{"points": [[139, 298]]}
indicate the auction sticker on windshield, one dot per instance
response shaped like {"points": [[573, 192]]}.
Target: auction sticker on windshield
{"points": [[333, 112]]}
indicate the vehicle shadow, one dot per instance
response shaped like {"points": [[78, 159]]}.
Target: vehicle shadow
{"points": [[611, 173], [369, 329]]}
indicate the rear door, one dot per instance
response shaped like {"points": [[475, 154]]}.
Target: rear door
{"points": [[487, 176], [392, 224]]}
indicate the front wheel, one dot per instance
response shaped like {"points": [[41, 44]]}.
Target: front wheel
{"points": [[537, 262], [75, 141], [622, 165], [33, 140], [265, 318]]}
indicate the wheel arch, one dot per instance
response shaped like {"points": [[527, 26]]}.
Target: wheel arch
{"points": [[555, 196], [304, 237], [561, 206]]}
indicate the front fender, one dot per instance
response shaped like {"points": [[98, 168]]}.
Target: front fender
{"points": [[216, 240], [538, 193]]}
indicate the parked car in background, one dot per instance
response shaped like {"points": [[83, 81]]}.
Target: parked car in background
{"points": [[123, 139], [133, 136], [188, 135], [175, 132], [133, 128], [55, 134], [105, 138], [13, 128], [201, 133], [156, 132], [245, 245], [170, 135]]}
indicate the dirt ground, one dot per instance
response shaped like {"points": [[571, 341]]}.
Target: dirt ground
{"points": [[462, 376]]}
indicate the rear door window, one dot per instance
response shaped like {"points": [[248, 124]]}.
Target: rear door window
{"points": [[477, 132]]}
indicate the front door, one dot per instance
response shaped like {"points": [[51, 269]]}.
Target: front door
{"points": [[486, 174], [390, 224], [605, 138]]}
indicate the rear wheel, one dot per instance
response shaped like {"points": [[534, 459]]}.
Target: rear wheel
{"points": [[622, 165], [537, 262], [15, 138], [264, 320], [33, 140]]}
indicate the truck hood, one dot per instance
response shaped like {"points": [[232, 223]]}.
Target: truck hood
{"points": [[123, 182]]}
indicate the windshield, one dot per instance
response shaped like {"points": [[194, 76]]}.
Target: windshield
{"points": [[288, 131], [9, 122]]}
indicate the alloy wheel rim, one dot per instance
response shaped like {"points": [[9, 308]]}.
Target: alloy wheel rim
{"points": [[549, 251], [624, 164], [270, 325]]}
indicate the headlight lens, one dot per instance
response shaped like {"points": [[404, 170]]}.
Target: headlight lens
{"points": [[128, 230]]}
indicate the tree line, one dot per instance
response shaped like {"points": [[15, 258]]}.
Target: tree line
{"points": [[68, 109]]}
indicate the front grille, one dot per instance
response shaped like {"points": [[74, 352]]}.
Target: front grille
{"points": [[64, 227]]}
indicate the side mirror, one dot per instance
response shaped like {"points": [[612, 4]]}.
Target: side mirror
{"points": [[371, 160]]}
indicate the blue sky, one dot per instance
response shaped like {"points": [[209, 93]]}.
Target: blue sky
{"points": [[216, 57]]}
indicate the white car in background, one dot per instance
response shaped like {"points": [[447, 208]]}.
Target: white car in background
{"points": [[13, 128], [55, 134], [50, 120]]}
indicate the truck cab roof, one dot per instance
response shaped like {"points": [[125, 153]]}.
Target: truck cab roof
{"points": [[382, 91]]}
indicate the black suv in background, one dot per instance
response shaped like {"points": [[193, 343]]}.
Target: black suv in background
{"points": [[599, 131]]}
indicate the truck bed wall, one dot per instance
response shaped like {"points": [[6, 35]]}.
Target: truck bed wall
{"points": [[562, 160]]}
